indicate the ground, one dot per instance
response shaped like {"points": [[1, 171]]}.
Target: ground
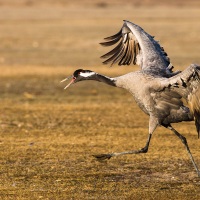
{"points": [[48, 135]]}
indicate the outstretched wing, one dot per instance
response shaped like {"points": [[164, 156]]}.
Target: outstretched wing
{"points": [[137, 47], [187, 85]]}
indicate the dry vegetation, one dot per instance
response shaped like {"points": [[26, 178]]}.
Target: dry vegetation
{"points": [[47, 135]]}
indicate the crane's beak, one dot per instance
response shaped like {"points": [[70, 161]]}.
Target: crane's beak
{"points": [[71, 82]]}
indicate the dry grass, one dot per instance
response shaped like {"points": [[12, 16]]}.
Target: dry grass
{"points": [[47, 135]]}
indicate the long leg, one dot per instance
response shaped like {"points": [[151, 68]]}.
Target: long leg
{"points": [[152, 126], [184, 141]]}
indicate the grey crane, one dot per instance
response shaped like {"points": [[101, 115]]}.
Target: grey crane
{"points": [[160, 92]]}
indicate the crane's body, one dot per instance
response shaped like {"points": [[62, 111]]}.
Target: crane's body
{"points": [[130, 82], [173, 110], [157, 90], [142, 97]]}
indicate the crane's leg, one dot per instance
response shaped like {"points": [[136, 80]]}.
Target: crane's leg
{"points": [[184, 141], [153, 123]]}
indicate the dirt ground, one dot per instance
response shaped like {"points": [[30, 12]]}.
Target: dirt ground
{"points": [[48, 135]]}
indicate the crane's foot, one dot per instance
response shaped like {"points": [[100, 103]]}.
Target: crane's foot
{"points": [[101, 157]]}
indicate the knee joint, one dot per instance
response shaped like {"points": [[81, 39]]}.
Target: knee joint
{"points": [[144, 150]]}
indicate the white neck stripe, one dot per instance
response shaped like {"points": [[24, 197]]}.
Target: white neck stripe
{"points": [[87, 74]]}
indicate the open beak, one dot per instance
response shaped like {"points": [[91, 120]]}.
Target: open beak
{"points": [[71, 82]]}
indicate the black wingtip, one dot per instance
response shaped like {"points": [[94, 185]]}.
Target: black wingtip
{"points": [[115, 36], [125, 20]]}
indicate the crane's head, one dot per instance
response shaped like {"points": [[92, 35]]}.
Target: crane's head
{"points": [[79, 75]]}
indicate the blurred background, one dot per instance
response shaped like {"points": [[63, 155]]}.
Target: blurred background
{"points": [[67, 33]]}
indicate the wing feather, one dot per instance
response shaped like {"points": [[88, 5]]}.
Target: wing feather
{"points": [[117, 35], [113, 51], [110, 42], [137, 47], [125, 52], [187, 85], [135, 52], [117, 55]]}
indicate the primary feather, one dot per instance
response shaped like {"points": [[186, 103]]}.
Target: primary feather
{"points": [[137, 47]]}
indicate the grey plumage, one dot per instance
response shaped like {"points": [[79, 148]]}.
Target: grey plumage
{"points": [[160, 91], [137, 46]]}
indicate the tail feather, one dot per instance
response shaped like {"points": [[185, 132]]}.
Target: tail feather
{"points": [[197, 123], [195, 107], [187, 84]]}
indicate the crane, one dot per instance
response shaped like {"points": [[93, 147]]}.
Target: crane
{"points": [[160, 92]]}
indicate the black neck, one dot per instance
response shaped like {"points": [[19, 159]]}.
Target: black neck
{"points": [[104, 79]]}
